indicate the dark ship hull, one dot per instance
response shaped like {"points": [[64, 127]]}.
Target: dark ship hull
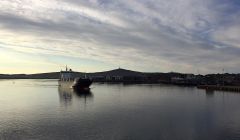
{"points": [[82, 84], [79, 84]]}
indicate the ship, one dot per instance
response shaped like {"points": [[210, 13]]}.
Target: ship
{"points": [[68, 79]]}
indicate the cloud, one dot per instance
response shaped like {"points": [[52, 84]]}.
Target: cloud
{"points": [[228, 35], [154, 35]]}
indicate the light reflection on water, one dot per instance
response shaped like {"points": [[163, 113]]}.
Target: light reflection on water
{"points": [[68, 95], [38, 109]]}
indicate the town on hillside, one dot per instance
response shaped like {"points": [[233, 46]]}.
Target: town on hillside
{"points": [[131, 77]]}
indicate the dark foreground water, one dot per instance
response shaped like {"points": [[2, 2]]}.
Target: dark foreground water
{"points": [[38, 109]]}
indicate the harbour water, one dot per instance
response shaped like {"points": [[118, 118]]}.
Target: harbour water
{"points": [[38, 109]]}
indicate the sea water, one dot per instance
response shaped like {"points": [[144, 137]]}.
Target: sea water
{"points": [[39, 109]]}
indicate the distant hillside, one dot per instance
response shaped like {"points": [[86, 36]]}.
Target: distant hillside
{"points": [[55, 75], [51, 75], [13, 76], [129, 76], [116, 72]]}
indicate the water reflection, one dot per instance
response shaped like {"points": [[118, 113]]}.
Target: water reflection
{"points": [[118, 112], [67, 95], [209, 92]]}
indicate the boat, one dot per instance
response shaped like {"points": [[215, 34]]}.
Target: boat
{"points": [[69, 79]]}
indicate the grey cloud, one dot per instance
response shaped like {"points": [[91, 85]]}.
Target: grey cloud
{"points": [[153, 33]]}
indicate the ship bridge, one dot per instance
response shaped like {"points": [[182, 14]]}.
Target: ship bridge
{"points": [[67, 75]]}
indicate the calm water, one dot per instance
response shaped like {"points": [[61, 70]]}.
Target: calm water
{"points": [[38, 109]]}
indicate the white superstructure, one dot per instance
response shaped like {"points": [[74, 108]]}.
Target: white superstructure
{"points": [[66, 78]]}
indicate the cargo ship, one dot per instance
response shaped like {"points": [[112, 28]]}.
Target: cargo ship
{"points": [[68, 79]]}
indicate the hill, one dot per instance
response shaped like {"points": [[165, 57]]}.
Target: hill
{"points": [[117, 72], [55, 75]]}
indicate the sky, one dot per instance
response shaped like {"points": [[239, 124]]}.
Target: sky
{"points": [[189, 36]]}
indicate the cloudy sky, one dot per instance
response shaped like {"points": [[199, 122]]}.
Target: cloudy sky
{"points": [[197, 36]]}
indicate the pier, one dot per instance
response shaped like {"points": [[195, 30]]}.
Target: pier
{"points": [[221, 88]]}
